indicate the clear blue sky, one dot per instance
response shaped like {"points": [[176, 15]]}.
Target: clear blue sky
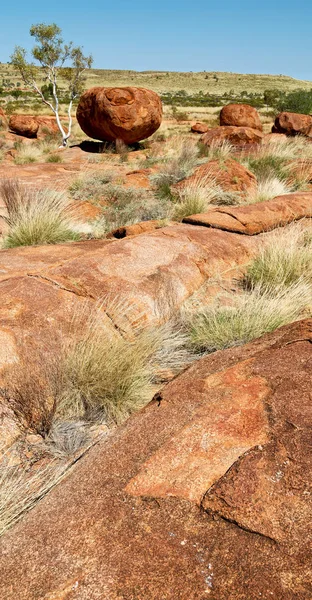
{"points": [[254, 36]]}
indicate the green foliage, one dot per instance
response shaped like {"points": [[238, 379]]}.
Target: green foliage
{"points": [[298, 102], [52, 54]]}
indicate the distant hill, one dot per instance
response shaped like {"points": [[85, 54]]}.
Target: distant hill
{"points": [[213, 82]]}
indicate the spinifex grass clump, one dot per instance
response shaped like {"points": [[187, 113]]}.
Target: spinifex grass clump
{"points": [[267, 189], [27, 154], [194, 198], [252, 314], [112, 374], [285, 259], [90, 185], [20, 490], [281, 167], [35, 216], [180, 160]]}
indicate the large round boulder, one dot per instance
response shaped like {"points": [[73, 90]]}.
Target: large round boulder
{"points": [[129, 114], [24, 125], [240, 115], [293, 124], [237, 136]]}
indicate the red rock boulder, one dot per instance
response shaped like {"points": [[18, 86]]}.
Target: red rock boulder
{"points": [[199, 128], [237, 136], [24, 125], [129, 114], [256, 218], [230, 175], [240, 115], [203, 494], [293, 124]]}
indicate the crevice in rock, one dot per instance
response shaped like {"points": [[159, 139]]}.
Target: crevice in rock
{"points": [[59, 285], [216, 514]]}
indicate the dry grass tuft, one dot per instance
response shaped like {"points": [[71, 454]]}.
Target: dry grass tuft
{"points": [[217, 150], [112, 375], [252, 314], [195, 198], [181, 157], [267, 189], [20, 490], [28, 153], [35, 216], [284, 260]]}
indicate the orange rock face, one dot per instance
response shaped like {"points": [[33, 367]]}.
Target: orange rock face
{"points": [[240, 115], [199, 128], [237, 136], [229, 174], [293, 124], [256, 218], [203, 494], [24, 125], [129, 114]]}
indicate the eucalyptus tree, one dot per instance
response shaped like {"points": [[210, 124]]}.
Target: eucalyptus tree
{"points": [[55, 61]]}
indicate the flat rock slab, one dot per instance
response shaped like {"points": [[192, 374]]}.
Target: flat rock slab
{"points": [[259, 217], [165, 509], [41, 288]]}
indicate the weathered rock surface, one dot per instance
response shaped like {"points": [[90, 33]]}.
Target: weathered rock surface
{"points": [[293, 124], [228, 174], [204, 493], [24, 125], [256, 218], [199, 128], [237, 136], [129, 114], [135, 229], [240, 115], [42, 287]]}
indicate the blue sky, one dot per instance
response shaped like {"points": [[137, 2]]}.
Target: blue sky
{"points": [[177, 35]]}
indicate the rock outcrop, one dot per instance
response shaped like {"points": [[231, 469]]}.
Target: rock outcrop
{"points": [[129, 114], [229, 174], [240, 115], [259, 217], [199, 128], [42, 287], [237, 136], [204, 493], [293, 124], [24, 125]]}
